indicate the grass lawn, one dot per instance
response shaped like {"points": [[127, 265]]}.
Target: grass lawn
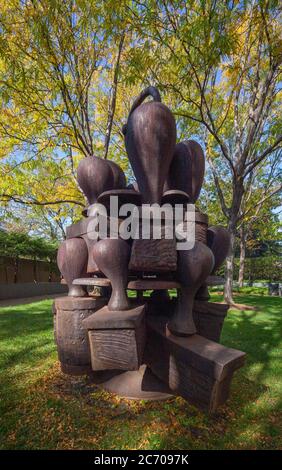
{"points": [[40, 408]]}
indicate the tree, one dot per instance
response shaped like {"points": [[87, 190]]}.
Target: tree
{"points": [[58, 94], [62, 96], [219, 62], [15, 245], [259, 231]]}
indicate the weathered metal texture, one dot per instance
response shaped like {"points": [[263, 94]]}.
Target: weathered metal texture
{"points": [[193, 268], [125, 196], [135, 284], [187, 169], [72, 262], [192, 366], [201, 225], [203, 293], [150, 137], [195, 368], [92, 281], [141, 384], [218, 239], [91, 265], [117, 339], [94, 176], [119, 181], [78, 229], [175, 196], [153, 255], [71, 337], [112, 258], [209, 318]]}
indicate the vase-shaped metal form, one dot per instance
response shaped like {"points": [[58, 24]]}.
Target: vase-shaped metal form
{"points": [[72, 262], [112, 258], [118, 174], [193, 268], [94, 176], [150, 137], [187, 169], [218, 239]]}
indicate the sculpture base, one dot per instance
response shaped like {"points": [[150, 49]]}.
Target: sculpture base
{"points": [[139, 384]]}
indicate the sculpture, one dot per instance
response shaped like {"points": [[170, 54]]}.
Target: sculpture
{"points": [[146, 347]]}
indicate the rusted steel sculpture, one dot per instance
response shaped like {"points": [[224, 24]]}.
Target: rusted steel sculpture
{"points": [[112, 258], [146, 347], [150, 137], [187, 169]]}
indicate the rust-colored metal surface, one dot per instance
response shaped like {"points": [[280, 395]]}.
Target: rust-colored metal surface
{"points": [[117, 339], [71, 336], [193, 367], [145, 348], [152, 284], [119, 181], [125, 196], [92, 281], [72, 261], [112, 258], [94, 176], [218, 239], [153, 255], [141, 384], [150, 138], [193, 268], [187, 169], [175, 196]]}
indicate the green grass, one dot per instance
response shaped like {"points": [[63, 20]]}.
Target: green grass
{"points": [[40, 408]]}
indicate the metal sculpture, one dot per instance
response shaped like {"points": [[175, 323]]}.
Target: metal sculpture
{"points": [[150, 137], [146, 347], [187, 169]]}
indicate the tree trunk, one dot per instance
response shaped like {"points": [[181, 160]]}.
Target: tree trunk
{"points": [[228, 288], [112, 104], [238, 191], [242, 256]]}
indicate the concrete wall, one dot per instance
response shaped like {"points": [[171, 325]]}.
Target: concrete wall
{"points": [[31, 289]]}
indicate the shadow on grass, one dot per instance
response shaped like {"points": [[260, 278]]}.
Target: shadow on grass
{"points": [[252, 416], [26, 345], [42, 408]]}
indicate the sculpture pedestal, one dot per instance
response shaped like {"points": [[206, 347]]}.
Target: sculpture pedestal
{"points": [[193, 367], [70, 336], [139, 384], [132, 354], [117, 338]]}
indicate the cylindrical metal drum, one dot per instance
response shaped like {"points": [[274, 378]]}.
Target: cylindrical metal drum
{"points": [[71, 338]]}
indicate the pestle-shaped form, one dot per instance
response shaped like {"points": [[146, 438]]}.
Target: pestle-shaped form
{"points": [[218, 239], [112, 258], [187, 169], [94, 176], [119, 176], [193, 268], [150, 138], [72, 260]]}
